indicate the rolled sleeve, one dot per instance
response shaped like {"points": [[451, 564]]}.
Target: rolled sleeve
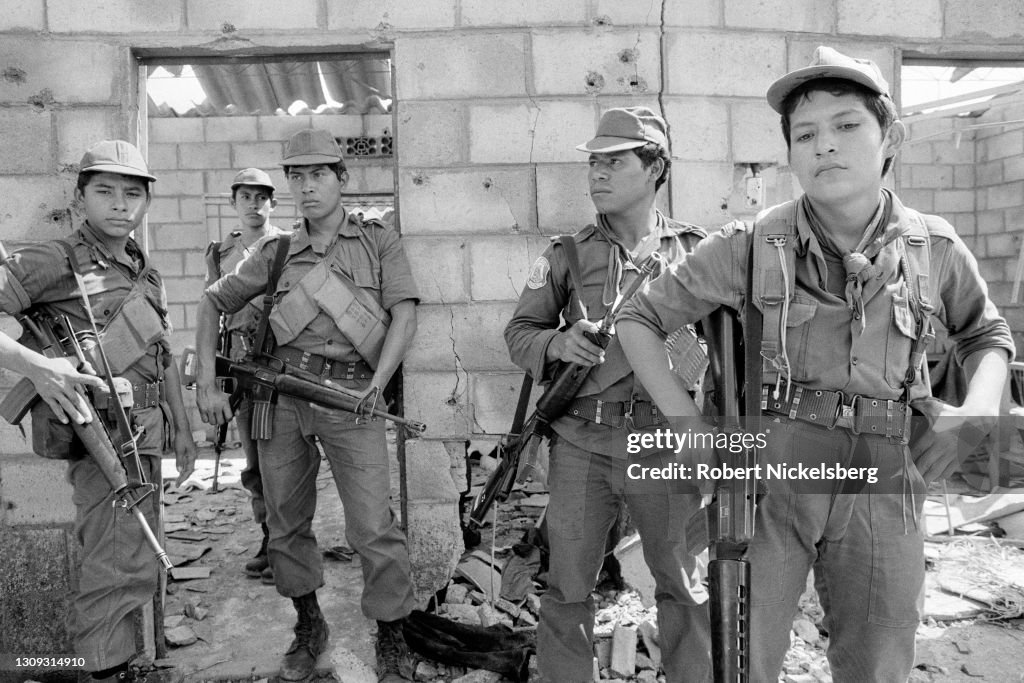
{"points": [[968, 313], [232, 292], [33, 275], [397, 283]]}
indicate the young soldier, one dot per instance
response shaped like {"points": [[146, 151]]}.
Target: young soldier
{"points": [[118, 571], [252, 198], [859, 274], [333, 256], [629, 161]]}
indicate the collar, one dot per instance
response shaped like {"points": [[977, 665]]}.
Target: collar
{"points": [[350, 227], [103, 256], [898, 222]]}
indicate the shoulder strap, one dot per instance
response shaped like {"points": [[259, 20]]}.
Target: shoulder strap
{"points": [[283, 242], [773, 273], [915, 261], [216, 255], [522, 405], [753, 370], [572, 258]]}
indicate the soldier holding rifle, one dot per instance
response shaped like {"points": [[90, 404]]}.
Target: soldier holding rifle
{"points": [[629, 162], [844, 280], [128, 311], [342, 311]]}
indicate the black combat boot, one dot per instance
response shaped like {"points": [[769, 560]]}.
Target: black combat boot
{"points": [[299, 661], [258, 564], [393, 665]]}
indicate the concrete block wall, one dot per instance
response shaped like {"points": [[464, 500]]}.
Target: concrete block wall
{"points": [[491, 99]]}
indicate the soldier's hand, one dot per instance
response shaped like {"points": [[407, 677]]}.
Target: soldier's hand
{"points": [[62, 386], [572, 346], [185, 454], [946, 437], [214, 405]]}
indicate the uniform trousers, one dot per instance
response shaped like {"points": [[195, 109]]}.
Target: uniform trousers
{"points": [[251, 479], [865, 546], [587, 490], [357, 453], [119, 572]]}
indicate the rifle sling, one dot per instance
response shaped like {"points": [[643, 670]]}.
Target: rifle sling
{"points": [[752, 362], [572, 258], [259, 343], [521, 406]]}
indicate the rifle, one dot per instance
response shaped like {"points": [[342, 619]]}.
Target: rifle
{"points": [[121, 467], [732, 514], [269, 373], [223, 347], [519, 451]]}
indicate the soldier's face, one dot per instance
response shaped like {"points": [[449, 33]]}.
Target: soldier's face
{"points": [[837, 147], [114, 204], [317, 190], [618, 181], [253, 205]]}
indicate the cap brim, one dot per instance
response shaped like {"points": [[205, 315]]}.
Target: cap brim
{"points": [[605, 144], [269, 187], [310, 160], [780, 89], [117, 168]]}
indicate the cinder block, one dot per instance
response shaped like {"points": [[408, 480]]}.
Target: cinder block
{"points": [[399, 14], [195, 263], [53, 69], [34, 490], [544, 131], [623, 661], [193, 210], [462, 65], [964, 176], [79, 128], [439, 399], [952, 201], [168, 263], [756, 134], [163, 210], [698, 128], [265, 155], [178, 236], [1006, 195], [427, 466], [922, 200], [615, 13], [946, 151], [162, 156], [218, 181], [28, 142], [933, 176], [179, 183], [435, 546], [563, 198], [724, 63], [176, 130], [983, 19], [114, 16], [988, 173], [471, 201], [438, 267], [686, 14], [252, 14], [466, 336], [36, 580], [23, 15], [991, 222], [30, 205], [499, 266], [1001, 245], [349, 125], [524, 13], [965, 223], [568, 62], [378, 179], [913, 153], [805, 16], [204, 155], [176, 313], [701, 191], [494, 397], [280, 128], [1008, 144], [230, 128], [431, 133], [183, 289]]}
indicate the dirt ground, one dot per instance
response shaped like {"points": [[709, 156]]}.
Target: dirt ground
{"points": [[242, 626]]}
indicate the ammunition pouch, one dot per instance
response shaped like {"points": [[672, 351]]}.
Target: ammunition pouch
{"points": [[263, 403], [52, 439], [128, 334]]}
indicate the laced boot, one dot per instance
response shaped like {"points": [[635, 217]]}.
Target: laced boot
{"points": [[311, 631], [258, 564], [393, 665]]}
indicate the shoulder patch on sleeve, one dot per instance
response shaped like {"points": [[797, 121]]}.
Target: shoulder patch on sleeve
{"points": [[539, 273]]}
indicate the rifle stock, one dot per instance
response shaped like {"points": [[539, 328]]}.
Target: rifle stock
{"points": [[732, 514]]}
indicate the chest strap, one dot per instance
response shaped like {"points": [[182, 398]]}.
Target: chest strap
{"points": [[260, 342]]}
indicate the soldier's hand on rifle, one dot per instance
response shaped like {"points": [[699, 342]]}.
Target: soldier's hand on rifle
{"points": [[185, 454], [214, 405], [61, 385], [572, 346]]}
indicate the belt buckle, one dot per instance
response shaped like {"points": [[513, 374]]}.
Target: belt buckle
{"points": [[627, 416], [597, 410], [325, 371], [304, 361], [847, 412]]}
